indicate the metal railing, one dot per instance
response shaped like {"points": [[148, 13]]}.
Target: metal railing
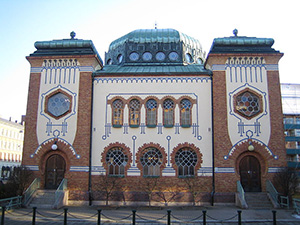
{"points": [[296, 204], [12, 202], [60, 191], [272, 191], [30, 190], [241, 194]]}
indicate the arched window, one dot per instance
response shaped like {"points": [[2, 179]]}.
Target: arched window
{"points": [[151, 161], [134, 113], [185, 113], [117, 113], [168, 106], [151, 113], [116, 161], [186, 160]]}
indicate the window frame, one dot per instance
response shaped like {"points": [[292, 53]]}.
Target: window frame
{"points": [[117, 113], [135, 113], [168, 113]]}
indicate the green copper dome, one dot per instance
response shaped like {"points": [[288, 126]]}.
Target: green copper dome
{"points": [[155, 47]]}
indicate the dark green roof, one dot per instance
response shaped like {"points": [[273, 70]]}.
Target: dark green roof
{"points": [[160, 69], [155, 36], [241, 44], [65, 47]]}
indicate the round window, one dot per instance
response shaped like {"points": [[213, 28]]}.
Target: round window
{"points": [[58, 104], [147, 56], [160, 56], [173, 56], [134, 56]]}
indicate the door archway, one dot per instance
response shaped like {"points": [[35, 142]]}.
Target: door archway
{"points": [[55, 171], [250, 174]]}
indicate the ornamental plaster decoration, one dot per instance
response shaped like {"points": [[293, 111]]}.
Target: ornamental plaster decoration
{"points": [[195, 131], [61, 77], [246, 84], [51, 140], [243, 124], [53, 126]]}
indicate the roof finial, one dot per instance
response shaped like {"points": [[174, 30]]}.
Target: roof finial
{"points": [[235, 32], [72, 34]]}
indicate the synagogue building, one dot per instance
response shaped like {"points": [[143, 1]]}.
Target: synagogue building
{"points": [[157, 121]]}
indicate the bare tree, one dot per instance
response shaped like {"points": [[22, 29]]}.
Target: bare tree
{"points": [[286, 180], [108, 185], [194, 187], [149, 184], [168, 193]]}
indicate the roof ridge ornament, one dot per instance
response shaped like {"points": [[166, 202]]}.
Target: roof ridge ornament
{"points": [[72, 34], [235, 32]]}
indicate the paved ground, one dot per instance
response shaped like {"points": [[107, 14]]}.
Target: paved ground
{"points": [[215, 215]]}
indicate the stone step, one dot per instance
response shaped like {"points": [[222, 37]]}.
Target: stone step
{"points": [[43, 199], [258, 200]]}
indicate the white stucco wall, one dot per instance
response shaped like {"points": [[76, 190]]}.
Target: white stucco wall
{"points": [[197, 88]]}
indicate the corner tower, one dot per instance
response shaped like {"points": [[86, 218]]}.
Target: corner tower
{"points": [[58, 118], [247, 113]]}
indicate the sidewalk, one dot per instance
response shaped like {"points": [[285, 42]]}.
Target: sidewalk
{"points": [[124, 215]]}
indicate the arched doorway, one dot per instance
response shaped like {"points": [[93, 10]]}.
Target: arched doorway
{"points": [[250, 174], [55, 171]]}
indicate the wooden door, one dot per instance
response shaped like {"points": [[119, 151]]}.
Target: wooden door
{"points": [[55, 171], [250, 174]]}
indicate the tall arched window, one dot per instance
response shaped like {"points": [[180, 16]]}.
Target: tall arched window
{"points": [[134, 113], [168, 106], [151, 161], [186, 160], [116, 161], [151, 113], [185, 113], [117, 113]]}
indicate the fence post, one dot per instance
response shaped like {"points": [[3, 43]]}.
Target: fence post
{"points": [[99, 217], [274, 217], [169, 216], [3, 213], [65, 216], [239, 217], [33, 215], [204, 217], [133, 216]]}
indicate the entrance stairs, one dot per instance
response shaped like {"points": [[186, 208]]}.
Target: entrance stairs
{"points": [[43, 199], [258, 200]]}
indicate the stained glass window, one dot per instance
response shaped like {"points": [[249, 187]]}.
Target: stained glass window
{"points": [[151, 161], [117, 113], [248, 104], [58, 104], [151, 112], [134, 113], [186, 160], [185, 110], [116, 161], [168, 106]]}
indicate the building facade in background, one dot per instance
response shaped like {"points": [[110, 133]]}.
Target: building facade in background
{"points": [[11, 146], [159, 118], [291, 119]]}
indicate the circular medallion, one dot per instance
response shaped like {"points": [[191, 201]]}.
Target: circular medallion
{"points": [[173, 56], [160, 56], [147, 56], [134, 56]]}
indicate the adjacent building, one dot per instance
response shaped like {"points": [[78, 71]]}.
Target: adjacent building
{"points": [[11, 146], [291, 112], [158, 115]]}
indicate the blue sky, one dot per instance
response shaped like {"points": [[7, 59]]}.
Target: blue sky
{"points": [[22, 22]]}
